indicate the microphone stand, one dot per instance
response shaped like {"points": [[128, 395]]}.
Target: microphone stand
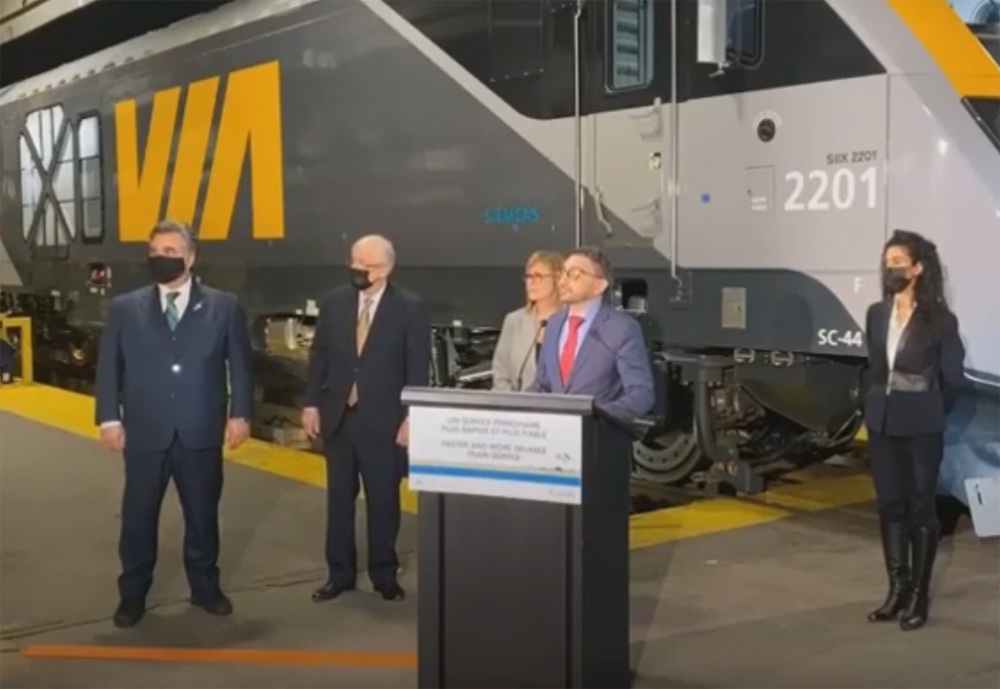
{"points": [[534, 343]]}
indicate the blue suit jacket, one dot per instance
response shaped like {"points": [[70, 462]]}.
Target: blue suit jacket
{"points": [[612, 364], [160, 383]]}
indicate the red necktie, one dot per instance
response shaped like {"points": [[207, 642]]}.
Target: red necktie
{"points": [[569, 348]]}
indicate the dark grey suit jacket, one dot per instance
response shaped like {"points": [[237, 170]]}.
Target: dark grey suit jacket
{"points": [[397, 354]]}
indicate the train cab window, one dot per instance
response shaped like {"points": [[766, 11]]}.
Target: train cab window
{"points": [[89, 168], [517, 38], [48, 185], [743, 39], [630, 41]]}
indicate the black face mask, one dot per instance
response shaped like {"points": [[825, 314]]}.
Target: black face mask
{"points": [[360, 279], [895, 280], [166, 268]]}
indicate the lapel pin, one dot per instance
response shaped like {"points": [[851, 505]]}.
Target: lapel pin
{"points": [[197, 306]]}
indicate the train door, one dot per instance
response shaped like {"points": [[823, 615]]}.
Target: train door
{"points": [[626, 137]]}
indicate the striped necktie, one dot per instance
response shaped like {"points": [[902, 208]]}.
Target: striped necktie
{"points": [[361, 334], [171, 312], [364, 323]]}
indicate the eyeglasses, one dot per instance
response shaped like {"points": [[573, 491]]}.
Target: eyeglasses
{"points": [[576, 273], [534, 277]]}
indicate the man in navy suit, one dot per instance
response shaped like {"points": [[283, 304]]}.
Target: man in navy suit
{"points": [[162, 399], [593, 349], [372, 339]]}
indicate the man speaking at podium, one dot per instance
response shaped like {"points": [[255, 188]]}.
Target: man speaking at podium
{"points": [[591, 348]]}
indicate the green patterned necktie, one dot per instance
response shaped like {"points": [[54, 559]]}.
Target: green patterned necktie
{"points": [[171, 311]]}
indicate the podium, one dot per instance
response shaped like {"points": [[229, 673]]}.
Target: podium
{"points": [[523, 503]]}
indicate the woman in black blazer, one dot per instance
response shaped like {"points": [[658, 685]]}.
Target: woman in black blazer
{"points": [[915, 359]]}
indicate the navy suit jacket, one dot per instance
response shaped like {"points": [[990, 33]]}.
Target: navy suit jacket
{"points": [[612, 365], [160, 383], [397, 354]]}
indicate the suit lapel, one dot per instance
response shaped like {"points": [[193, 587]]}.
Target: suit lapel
{"points": [[195, 311], [587, 346], [154, 311], [349, 317], [905, 336]]}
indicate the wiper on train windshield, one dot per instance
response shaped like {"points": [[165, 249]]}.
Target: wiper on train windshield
{"points": [[986, 111]]}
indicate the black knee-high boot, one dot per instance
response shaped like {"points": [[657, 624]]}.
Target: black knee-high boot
{"points": [[896, 548], [925, 543]]}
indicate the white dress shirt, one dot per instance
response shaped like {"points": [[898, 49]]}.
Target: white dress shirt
{"points": [[183, 297], [895, 334]]}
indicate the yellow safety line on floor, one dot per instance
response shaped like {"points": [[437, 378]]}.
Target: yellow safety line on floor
{"points": [[74, 413], [223, 655]]}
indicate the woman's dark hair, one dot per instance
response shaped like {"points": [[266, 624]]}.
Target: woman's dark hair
{"points": [[929, 287]]}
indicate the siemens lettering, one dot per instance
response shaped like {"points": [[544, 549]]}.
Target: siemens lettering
{"points": [[510, 215]]}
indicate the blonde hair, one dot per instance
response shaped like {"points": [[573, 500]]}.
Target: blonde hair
{"points": [[550, 259]]}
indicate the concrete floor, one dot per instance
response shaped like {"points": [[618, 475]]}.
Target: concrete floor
{"points": [[776, 605]]}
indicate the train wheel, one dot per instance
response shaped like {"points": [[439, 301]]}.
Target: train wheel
{"points": [[665, 457]]}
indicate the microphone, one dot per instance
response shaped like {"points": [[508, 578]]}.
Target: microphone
{"points": [[531, 349]]}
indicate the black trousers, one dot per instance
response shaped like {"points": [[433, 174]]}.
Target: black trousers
{"points": [[905, 472], [355, 450], [198, 477]]}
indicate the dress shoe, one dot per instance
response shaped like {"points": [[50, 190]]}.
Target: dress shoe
{"points": [[925, 543], [391, 591], [129, 612], [329, 591], [214, 604], [896, 550]]}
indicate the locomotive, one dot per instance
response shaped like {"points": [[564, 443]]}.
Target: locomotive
{"points": [[742, 162]]}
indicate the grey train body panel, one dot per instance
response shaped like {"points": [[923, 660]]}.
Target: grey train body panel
{"points": [[403, 117]]}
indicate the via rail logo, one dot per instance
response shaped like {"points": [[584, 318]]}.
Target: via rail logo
{"points": [[514, 216], [562, 461]]}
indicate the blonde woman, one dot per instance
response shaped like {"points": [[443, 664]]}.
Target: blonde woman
{"points": [[521, 335]]}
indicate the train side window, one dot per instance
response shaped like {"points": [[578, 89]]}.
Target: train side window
{"points": [[91, 186], [743, 18], [630, 43], [48, 185]]}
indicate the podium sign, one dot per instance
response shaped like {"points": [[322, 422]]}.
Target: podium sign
{"points": [[522, 547], [496, 453]]}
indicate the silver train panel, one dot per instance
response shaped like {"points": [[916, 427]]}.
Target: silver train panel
{"points": [[949, 190], [812, 199]]}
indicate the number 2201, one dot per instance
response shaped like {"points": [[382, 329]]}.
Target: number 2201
{"points": [[840, 188]]}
